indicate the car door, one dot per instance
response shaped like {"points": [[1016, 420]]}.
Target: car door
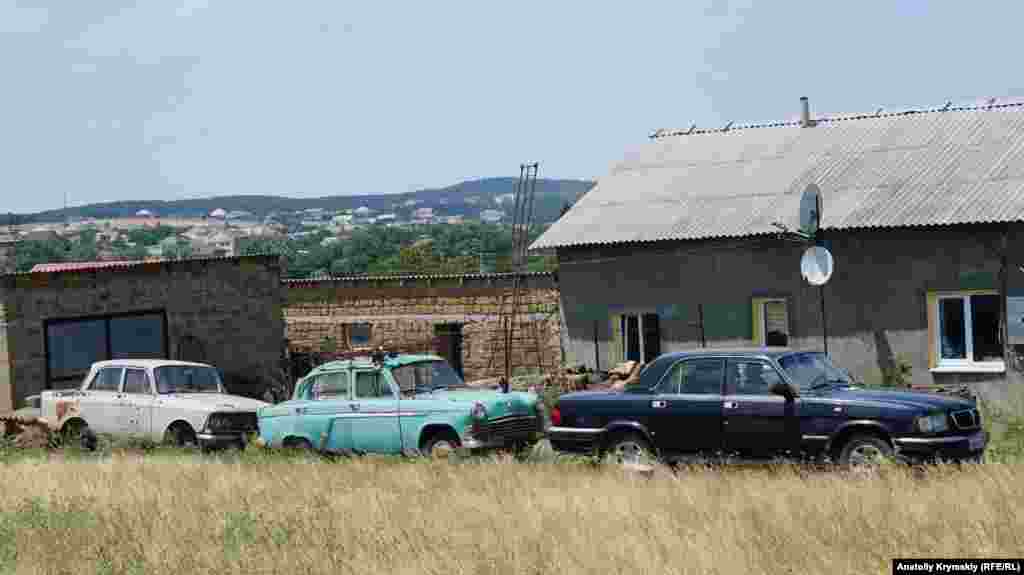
{"points": [[329, 410], [138, 402], [99, 404], [374, 414], [755, 421], [686, 410]]}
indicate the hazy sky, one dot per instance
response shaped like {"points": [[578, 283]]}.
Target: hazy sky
{"points": [[164, 99]]}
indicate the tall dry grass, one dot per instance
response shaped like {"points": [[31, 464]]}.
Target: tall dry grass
{"points": [[184, 515]]}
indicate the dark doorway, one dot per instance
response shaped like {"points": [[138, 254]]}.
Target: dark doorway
{"points": [[652, 337], [633, 338], [448, 344]]}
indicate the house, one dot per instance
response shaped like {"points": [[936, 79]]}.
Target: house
{"points": [[224, 311], [679, 245]]}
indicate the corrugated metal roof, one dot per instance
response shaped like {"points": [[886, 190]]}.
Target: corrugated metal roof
{"points": [[913, 168], [393, 277], [124, 265]]}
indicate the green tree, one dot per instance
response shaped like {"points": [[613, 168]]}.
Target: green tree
{"points": [[30, 253]]}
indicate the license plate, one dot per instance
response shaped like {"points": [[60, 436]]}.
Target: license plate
{"points": [[976, 441]]}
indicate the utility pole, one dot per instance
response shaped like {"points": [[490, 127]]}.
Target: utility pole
{"points": [[522, 220]]}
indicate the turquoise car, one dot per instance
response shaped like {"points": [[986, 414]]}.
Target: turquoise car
{"points": [[399, 404]]}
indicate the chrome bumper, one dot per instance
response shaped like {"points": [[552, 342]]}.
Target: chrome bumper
{"points": [[210, 440], [947, 446]]}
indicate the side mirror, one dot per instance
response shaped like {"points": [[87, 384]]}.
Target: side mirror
{"points": [[785, 390]]}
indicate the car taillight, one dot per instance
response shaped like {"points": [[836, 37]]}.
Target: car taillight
{"points": [[556, 416]]}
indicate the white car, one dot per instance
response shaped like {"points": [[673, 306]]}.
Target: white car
{"points": [[173, 401]]}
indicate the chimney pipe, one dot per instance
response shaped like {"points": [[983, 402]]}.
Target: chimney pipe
{"points": [[805, 113]]}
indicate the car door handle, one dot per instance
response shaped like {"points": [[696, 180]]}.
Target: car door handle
{"points": [[657, 403], [354, 406], [300, 410], [730, 405]]}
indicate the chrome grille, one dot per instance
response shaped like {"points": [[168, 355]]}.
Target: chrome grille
{"points": [[511, 427], [966, 419], [244, 422]]}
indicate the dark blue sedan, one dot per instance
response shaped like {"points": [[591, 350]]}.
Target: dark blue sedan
{"points": [[759, 403]]}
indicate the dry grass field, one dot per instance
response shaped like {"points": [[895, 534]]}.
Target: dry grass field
{"points": [[192, 514]]}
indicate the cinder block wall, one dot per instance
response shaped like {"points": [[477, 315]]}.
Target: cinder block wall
{"points": [[404, 315], [876, 300], [226, 312]]}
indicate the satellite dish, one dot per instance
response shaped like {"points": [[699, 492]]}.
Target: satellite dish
{"points": [[810, 210], [816, 265]]}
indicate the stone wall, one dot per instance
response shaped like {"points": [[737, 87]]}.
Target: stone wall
{"points": [[226, 312], [404, 315]]}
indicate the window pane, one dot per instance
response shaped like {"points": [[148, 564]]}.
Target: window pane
{"points": [[703, 376], [135, 381], [985, 316], [369, 384], [107, 380], [137, 337], [776, 324], [751, 378], [74, 346], [359, 334], [331, 386], [952, 331], [673, 379]]}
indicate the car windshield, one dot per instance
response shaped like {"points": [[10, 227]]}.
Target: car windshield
{"points": [[426, 376], [811, 370], [187, 379]]}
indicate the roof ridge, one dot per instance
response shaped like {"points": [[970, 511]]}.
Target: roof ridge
{"points": [[667, 132]]}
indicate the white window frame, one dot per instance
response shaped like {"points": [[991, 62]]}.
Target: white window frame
{"points": [[967, 364], [763, 324]]}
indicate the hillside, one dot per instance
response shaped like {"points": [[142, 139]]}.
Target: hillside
{"points": [[467, 198]]}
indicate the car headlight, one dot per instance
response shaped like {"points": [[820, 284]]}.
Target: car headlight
{"points": [[479, 412], [934, 423]]}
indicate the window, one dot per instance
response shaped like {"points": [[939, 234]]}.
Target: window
{"points": [[966, 330], [107, 379], [771, 322], [636, 337], [137, 337], [135, 381], [72, 346], [187, 379], [371, 384], [703, 376], [359, 334], [331, 386], [751, 378]]}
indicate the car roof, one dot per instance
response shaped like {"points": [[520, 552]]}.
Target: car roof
{"points": [[147, 363], [763, 352], [396, 361]]}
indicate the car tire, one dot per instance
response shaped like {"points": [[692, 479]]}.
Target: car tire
{"points": [[79, 433], [629, 448], [862, 449], [180, 435], [441, 445]]}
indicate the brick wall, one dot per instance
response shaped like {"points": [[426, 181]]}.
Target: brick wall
{"points": [[226, 312], [405, 314]]}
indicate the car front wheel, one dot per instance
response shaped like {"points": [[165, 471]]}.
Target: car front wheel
{"points": [[865, 450], [440, 445]]}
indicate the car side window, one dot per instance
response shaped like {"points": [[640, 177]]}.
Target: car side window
{"points": [[699, 376], [107, 379], [135, 381], [331, 386], [371, 384], [751, 377]]}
